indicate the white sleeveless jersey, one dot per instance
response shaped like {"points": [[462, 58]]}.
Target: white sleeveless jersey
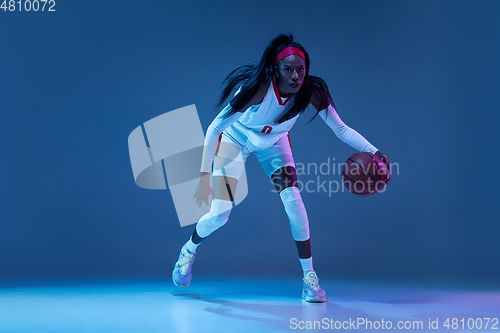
{"points": [[257, 127]]}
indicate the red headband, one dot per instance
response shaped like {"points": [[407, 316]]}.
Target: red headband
{"points": [[289, 51]]}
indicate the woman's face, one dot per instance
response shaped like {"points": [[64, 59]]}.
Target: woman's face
{"points": [[290, 74]]}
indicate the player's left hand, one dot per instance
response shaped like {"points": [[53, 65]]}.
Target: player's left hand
{"points": [[388, 166], [384, 159]]}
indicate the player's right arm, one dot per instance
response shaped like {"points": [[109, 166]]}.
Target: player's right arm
{"points": [[218, 125]]}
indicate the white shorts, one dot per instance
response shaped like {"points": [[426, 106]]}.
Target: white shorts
{"points": [[231, 155]]}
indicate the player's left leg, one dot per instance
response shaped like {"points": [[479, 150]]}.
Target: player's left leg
{"points": [[279, 165]]}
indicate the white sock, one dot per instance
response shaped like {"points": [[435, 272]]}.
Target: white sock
{"points": [[190, 246], [307, 265]]}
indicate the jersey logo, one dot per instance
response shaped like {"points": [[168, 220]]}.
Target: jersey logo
{"points": [[267, 129]]}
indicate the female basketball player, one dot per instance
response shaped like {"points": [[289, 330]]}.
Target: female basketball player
{"points": [[272, 95]]}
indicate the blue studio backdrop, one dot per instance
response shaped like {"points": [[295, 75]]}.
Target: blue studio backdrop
{"points": [[418, 79]]}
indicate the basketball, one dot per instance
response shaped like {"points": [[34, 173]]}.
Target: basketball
{"points": [[364, 174]]}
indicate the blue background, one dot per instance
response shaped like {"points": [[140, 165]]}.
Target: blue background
{"points": [[418, 79]]}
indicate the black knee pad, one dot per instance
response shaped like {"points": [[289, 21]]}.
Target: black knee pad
{"points": [[284, 177], [195, 238], [304, 248]]}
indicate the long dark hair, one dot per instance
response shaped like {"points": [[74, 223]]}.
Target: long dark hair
{"points": [[253, 76]]}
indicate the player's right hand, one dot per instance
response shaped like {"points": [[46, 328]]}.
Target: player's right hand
{"points": [[203, 192]]}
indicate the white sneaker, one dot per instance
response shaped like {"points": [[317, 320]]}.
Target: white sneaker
{"points": [[181, 275], [312, 292]]}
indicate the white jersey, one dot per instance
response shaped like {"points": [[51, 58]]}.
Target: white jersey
{"points": [[257, 128]]}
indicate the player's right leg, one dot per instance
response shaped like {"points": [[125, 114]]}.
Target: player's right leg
{"points": [[218, 215], [225, 179], [227, 172]]}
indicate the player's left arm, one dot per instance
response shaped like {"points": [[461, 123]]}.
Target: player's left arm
{"points": [[345, 133]]}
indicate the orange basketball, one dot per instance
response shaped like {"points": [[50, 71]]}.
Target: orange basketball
{"points": [[364, 174]]}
